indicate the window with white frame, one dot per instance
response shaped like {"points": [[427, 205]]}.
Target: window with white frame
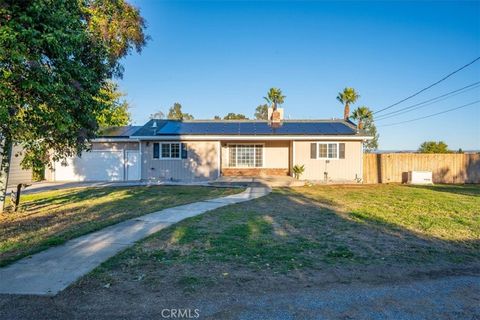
{"points": [[327, 150], [166, 150], [245, 155]]}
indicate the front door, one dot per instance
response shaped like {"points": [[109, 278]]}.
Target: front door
{"points": [[132, 165]]}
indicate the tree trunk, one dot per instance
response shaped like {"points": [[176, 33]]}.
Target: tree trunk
{"points": [[346, 112], [360, 124], [5, 156], [17, 197]]}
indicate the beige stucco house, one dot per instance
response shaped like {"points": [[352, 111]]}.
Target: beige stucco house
{"points": [[199, 150]]}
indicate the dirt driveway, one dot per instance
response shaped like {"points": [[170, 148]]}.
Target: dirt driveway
{"points": [[445, 298]]}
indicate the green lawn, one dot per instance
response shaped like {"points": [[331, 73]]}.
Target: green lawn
{"points": [[347, 232], [50, 218], [439, 212]]}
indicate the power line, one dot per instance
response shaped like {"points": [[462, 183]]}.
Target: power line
{"points": [[431, 115], [426, 88], [429, 101]]}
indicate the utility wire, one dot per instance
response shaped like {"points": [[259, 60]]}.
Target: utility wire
{"points": [[431, 115], [426, 88], [429, 101]]}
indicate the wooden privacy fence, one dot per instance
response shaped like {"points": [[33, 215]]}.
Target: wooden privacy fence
{"points": [[446, 168]]}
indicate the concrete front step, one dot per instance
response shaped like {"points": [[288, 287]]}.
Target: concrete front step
{"points": [[272, 181]]}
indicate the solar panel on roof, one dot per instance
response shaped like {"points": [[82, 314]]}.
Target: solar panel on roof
{"points": [[253, 128]]}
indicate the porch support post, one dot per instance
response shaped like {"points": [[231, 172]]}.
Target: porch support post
{"points": [[219, 158], [293, 154], [362, 150], [140, 155]]}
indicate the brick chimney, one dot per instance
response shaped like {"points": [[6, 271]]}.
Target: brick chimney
{"points": [[275, 117]]}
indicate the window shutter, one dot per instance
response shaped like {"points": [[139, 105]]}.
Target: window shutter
{"points": [[313, 150], [341, 153], [184, 151], [156, 150]]}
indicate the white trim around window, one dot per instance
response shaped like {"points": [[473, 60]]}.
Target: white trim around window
{"points": [[257, 146], [168, 151], [328, 150]]}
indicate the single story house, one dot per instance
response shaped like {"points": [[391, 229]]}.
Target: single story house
{"points": [[330, 150]]}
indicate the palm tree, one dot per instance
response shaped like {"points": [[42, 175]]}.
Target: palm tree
{"points": [[274, 97], [347, 97], [361, 114]]}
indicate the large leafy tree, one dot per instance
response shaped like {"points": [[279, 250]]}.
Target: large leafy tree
{"points": [[176, 113], [275, 97], [118, 25], [261, 112], [116, 111], [434, 147], [235, 116], [56, 58], [347, 97]]}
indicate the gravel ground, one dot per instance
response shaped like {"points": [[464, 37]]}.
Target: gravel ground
{"points": [[446, 298]]}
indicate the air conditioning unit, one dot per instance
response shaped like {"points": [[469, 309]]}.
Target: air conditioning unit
{"points": [[420, 177]]}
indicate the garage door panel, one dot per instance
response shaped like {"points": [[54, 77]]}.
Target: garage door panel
{"points": [[92, 166]]}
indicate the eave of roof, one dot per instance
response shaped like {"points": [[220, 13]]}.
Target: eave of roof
{"points": [[253, 138]]}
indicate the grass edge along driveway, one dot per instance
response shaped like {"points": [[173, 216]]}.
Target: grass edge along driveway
{"points": [[50, 218]]}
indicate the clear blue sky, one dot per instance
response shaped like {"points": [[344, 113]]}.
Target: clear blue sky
{"points": [[219, 57]]}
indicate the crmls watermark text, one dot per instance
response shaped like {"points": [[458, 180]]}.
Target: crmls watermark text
{"points": [[180, 313]]}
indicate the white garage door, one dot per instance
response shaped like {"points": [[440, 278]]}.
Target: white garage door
{"points": [[92, 166]]}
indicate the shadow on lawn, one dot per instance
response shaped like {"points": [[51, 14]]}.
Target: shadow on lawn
{"points": [[59, 217], [120, 201], [71, 196], [287, 231], [464, 189]]}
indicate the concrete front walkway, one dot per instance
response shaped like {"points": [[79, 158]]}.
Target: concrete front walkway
{"points": [[52, 270]]}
